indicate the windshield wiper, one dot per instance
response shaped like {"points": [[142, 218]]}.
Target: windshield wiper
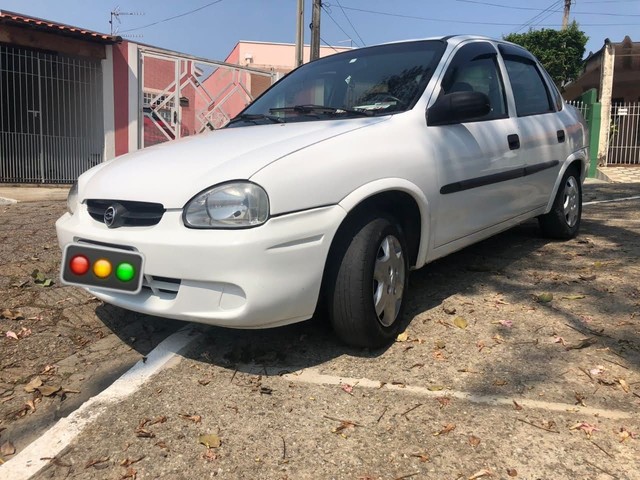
{"points": [[320, 110], [253, 117]]}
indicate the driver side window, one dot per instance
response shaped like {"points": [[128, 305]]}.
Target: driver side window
{"points": [[475, 69]]}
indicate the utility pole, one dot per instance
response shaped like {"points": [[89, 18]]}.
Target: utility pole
{"points": [[300, 33], [315, 29], [565, 18]]}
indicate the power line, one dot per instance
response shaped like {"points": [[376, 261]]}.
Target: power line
{"points": [[501, 24], [537, 17], [174, 17], [326, 10], [330, 46], [500, 5], [354, 28]]}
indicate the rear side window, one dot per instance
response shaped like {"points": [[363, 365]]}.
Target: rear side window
{"points": [[529, 90]]}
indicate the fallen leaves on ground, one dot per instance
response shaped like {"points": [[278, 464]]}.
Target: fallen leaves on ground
{"points": [[544, 297], [423, 457], [449, 427], [11, 315], [506, 323], [625, 434], [443, 401], [128, 462], [347, 388], [460, 322], [512, 472], [131, 474], [7, 448], [48, 390], [98, 461], [516, 405], [192, 418], [473, 441], [482, 473], [574, 297], [587, 428], [625, 386], [33, 385], [210, 440], [22, 333], [402, 337], [584, 343], [142, 432]]}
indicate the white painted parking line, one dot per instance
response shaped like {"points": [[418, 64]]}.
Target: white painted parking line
{"points": [[30, 460], [315, 377], [613, 200]]}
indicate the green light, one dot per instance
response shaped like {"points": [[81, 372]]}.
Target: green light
{"points": [[125, 272]]}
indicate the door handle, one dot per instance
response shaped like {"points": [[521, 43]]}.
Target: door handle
{"points": [[514, 141], [560, 134]]}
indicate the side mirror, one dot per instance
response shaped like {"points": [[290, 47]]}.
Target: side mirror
{"points": [[458, 107]]}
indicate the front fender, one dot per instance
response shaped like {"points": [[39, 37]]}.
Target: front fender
{"points": [[370, 189]]}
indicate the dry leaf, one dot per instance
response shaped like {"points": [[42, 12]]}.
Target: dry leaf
{"points": [[47, 391], [473, 441], [92, 463], [516, 405], [443, 401], [347, 388], [626, 434], [7, 448], [506, 323], [624, 385], [560, 340], [435, 388], [12, 335], [34, 384], [449, 427], [573, 297], [204, 383], [210, 441], [403, 337], [500, 382], [11, 315], [460, 322], [449, 310], [585, 342], [131, 474], [422, 456], [127, 462], [193, 418], [482, 473], [585, 427], [544, 297], [512, 472]]}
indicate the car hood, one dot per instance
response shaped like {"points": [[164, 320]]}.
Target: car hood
{"points": [[172, 173]]}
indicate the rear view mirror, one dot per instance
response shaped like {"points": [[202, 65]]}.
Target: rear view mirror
{"points": [[458, 107]]}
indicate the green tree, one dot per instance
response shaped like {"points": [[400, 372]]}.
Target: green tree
{"points": [[559, 51]]}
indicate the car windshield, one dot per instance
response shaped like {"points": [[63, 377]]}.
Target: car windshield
{"points": [[370, 81]]}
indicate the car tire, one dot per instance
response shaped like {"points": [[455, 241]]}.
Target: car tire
{"points": [[367, 293], [563, 221]]}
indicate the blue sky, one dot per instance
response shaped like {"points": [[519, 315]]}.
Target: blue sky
{"points": [[211, 32]]}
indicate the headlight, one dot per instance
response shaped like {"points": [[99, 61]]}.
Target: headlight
{"points": [[230, 205], [72, 198]]}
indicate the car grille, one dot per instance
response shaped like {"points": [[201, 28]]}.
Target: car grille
{"points": [[138, 214]]}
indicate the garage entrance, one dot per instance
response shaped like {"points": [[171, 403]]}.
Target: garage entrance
{"points": [[51, 124]]}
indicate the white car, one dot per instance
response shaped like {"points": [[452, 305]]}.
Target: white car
{"points": [[330, 187]]}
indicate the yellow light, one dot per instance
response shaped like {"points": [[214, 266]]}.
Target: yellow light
{"points": [[102, 268]]}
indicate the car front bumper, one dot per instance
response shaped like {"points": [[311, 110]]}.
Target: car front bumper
{"points": [[249, 278]]}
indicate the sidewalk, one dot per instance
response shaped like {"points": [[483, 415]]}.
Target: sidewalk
{"points": [[13, 194], [627, 174]]}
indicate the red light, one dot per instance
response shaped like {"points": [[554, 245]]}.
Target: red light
{"points": [[79, 265]]}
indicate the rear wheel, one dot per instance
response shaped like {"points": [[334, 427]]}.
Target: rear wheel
{"points": [[563, 221], [369, 282]]}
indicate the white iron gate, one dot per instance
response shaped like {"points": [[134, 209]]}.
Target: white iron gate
{"points": [[51, 127], [624, 135], [183, 95]]}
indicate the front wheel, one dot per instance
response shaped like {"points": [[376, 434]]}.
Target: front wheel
{"points": [[563, 221], [370, 279]]}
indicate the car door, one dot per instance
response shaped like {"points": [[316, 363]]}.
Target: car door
{"points": [[478, 162], [543, 136]]}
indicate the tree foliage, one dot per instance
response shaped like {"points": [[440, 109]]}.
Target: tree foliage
{"points": [[559, 51]]}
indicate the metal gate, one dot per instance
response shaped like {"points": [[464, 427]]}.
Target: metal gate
{"points": [[624, 135], [51, 126], [183, 95]]}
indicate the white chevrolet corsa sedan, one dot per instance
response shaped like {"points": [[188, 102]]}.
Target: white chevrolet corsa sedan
{"points": [[330, 187]]}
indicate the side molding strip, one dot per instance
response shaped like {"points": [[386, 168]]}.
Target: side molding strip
{"points": [[496, 177]]}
